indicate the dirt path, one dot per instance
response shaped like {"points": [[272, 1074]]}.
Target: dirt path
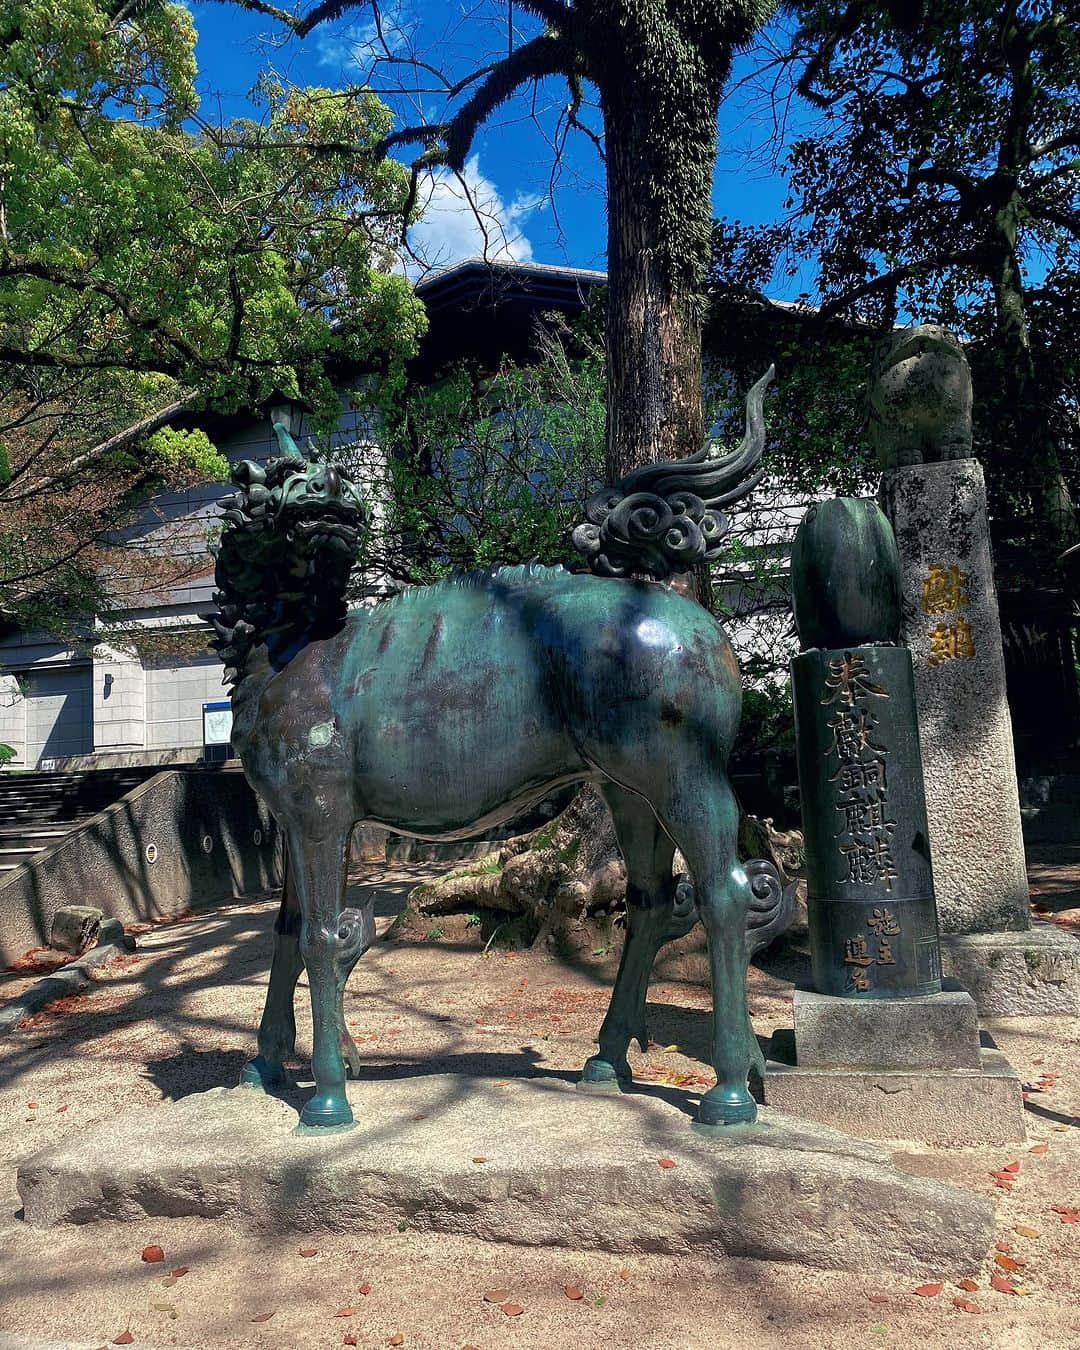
{"points": [[178, 1017]]}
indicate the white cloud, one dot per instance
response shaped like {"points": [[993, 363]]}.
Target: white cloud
{"points": [[465, 216], [356, 45]]}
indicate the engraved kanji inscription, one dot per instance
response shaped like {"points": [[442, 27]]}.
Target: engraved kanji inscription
{"points": [[951, 642], [944, 589]]}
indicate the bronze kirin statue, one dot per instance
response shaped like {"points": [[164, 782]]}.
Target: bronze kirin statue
{"points": [[450, 708]]}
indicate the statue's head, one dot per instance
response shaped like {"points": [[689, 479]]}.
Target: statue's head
{"points": [[920, 397], [289, 539]]}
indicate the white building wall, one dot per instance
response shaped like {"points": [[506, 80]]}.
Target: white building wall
{"points": [[13, 718], [175, 695]]}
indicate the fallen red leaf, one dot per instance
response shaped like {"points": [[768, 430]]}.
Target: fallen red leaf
{"points": [[309, 1251], [966, 1305], [1011, 1167], [125, 1338], [666, 1163], [479, 1160], [1008, 1262], [572, 1292], [365, 1288], [1002, 1284], [349, 1339], [1026, 1231], [1003, 1185], [61, 1108], [153, 1253], [879, 1298], [1010, 1177], [396, 1339], [1039, 1148], [512, 1309], [969, 1285], [178, 1271], [345, 1312], [1071, 1216], [263, 1317], [1003, 1246], [929, 1290], [31, 1106]]}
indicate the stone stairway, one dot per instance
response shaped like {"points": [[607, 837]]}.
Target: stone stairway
{"points": [[38, 809]]}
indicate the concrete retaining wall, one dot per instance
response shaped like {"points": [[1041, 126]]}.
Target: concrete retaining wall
{"points": [[180, 838]]}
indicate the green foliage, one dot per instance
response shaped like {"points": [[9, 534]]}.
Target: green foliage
{"points": [[7, 754], [150, 259], [941, 180], [482, 471], [179, 454]]}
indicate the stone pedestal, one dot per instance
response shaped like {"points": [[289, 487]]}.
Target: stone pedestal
{"points": [[911, 1068], [1028, 974], [522, 1162], [938, 513]]}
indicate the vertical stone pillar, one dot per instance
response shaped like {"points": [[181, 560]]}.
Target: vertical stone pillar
{"points": [[938, 514], [119, 701]]}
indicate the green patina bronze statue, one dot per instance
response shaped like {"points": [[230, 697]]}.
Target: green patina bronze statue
{"points": [[450, 708]]}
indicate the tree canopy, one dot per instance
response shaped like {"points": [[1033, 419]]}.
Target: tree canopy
{"points": [[152, 262], [941, 180]]}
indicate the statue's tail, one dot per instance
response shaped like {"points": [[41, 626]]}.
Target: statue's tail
{"points": [[664, 518]]}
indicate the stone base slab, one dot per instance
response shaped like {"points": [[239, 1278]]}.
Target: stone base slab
{"points": [[1029, 974], [931, 1031], [526, 1162], [933, 1106]]}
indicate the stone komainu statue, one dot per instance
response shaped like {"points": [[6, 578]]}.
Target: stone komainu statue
{"points": [[452, 707], [920, 398]]}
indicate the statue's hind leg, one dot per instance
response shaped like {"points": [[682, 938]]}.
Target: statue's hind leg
{"points": [[701, 813], [277, 1030], [650, 922]]}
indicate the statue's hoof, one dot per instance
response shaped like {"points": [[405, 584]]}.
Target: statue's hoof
{"points": [[261, 1073], [326, 1108], [600, 1075], [727, 1106]]}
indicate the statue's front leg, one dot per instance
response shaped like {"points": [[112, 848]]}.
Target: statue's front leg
{"points": [[356, 933], [326, 934], [277, 1030]]}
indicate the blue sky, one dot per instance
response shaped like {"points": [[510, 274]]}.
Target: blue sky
{"points": [[509, 171]]}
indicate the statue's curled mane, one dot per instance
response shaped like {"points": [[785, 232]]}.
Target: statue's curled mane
{"points": [[664, 518], [289, 540]]}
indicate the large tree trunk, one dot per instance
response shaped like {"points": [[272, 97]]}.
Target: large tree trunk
{"points": [[659, 88], [565, 885], [654, 317]]}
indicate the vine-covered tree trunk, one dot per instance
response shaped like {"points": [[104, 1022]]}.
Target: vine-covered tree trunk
{"points": [[655, 307], [660, 70]]}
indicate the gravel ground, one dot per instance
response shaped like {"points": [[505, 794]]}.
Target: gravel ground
{"points": [[178, 1016]]}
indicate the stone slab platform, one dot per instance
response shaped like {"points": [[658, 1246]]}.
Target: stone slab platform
{"points": [[934, 1106], [560, 1168]]}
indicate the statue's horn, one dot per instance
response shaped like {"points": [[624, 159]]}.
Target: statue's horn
{"points": [[285, 441]]}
